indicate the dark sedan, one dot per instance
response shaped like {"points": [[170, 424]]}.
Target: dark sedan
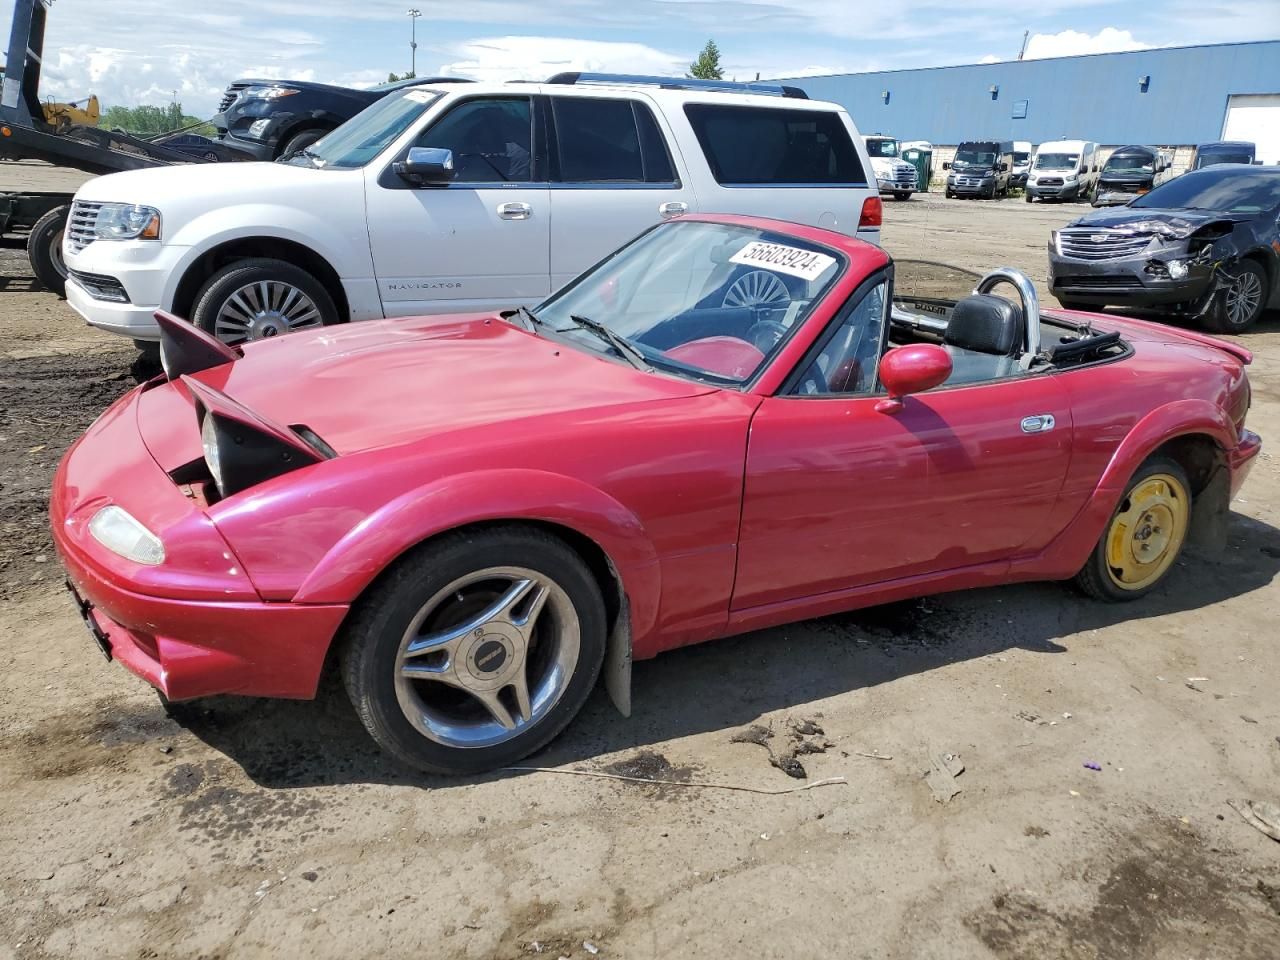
{"points": [[1205, 246]]}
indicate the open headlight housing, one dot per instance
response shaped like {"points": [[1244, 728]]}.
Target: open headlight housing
{"points": [[127, 221], [121, 533]]}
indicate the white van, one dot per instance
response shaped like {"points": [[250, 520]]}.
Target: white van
{"points": [[1064, 170], [1021, 163], [455, 197]]}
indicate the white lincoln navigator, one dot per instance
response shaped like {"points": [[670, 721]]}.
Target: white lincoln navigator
{"points": [[456, 197]]}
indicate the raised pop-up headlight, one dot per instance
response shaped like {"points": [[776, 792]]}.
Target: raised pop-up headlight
{"points": [[242, 449], [120, 532], [127, 221], [186, 349]]}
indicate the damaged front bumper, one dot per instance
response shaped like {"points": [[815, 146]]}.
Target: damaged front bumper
{"points": [[1140, 281]]}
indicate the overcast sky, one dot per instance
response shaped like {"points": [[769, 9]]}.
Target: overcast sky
{"points": [[142, 51]]}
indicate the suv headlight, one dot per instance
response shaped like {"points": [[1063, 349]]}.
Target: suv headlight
{"points": [[268, 92], [127, 221]]}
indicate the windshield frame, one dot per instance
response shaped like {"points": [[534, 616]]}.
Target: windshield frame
{"points": [[427, 101], [665, 366]]}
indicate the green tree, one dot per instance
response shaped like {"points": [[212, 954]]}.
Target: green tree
{"points": [[707, 66], [407, 75], [150, 121]]}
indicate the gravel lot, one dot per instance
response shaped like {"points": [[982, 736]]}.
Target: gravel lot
{"points": [[234, 826]]}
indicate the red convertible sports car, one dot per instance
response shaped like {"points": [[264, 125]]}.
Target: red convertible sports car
{"points": [[730, 423]]}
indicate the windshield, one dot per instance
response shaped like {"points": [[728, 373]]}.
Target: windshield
{"points": [[1020, 157], [1226, 191], [704, 301], [1057, 161], [882, 148], [1133, 163], [974, 158], [1209, 159], [368, 133]]}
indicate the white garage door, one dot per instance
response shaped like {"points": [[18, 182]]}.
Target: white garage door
{"points": [[1255, 117]]}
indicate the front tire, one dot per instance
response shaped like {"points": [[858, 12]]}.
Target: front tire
{"points": [[1238, 307], [300, 141], [260, 298], [44, 250], [906, 195], [475, 650], [1144, 536]]}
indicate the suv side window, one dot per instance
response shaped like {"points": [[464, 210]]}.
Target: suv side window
{"points": [[608, 141], [749, 146], [491, 139]]}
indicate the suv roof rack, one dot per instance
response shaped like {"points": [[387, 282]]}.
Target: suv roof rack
{"points": [[682, 83]]}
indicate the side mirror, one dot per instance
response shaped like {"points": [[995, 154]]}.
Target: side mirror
{"points": [[426, 165], [946, 166], [911, 369]]}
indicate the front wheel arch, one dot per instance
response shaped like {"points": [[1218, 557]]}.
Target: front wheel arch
{"points": [[598, 563], [253, 248]]}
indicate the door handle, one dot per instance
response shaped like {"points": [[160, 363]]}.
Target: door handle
{"points": [[672, 209], [515, 211], [1040, 423]]}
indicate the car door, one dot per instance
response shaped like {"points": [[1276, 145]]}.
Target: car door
{"points": [[839, 494], [478, 242], [612, 177]]}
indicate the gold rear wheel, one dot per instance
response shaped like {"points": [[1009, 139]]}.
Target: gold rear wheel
{"points": [[1147, 532], [1144, 536]]}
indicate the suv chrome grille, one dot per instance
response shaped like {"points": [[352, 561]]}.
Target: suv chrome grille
{"points": [[1100, 243], [229, 97], [81, 223]]}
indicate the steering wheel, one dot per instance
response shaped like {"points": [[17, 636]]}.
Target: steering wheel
{"points": [[765, 334]]}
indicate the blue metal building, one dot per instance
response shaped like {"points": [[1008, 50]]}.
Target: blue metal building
{"points": [[1171, 96]]}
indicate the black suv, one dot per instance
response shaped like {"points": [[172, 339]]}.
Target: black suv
{"points": [[1205, 246], [268, 119]]}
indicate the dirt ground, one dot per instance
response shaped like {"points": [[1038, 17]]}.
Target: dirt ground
{"points": [[243, 828]]}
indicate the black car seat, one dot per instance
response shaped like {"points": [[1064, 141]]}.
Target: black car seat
{"points": [[985, 337]]}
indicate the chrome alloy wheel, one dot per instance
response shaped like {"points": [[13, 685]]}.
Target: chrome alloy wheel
{"points": [[487, 657], [757, 288], [264, 308], [1243, 297]]}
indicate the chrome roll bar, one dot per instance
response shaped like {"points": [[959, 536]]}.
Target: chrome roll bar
{"points": [[1030, 304]]}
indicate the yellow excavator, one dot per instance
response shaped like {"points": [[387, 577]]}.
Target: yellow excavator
{"points": [[83, 113]]}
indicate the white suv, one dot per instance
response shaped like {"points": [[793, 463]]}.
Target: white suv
{"points": [[455, 197]]}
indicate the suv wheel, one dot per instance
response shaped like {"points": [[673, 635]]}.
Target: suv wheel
{"points": [[1240, 305], [260, 298], [300, 141]]}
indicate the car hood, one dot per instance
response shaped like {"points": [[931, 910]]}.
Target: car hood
{"points": [[308, 85], [197, 182], [384, 383], [1173, 224]]}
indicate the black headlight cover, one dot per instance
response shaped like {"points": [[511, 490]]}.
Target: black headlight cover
{"points": [[186, 349], [250, 449]]}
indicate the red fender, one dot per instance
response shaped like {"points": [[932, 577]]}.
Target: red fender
{"points": [[355, 560], [1068, 552]]}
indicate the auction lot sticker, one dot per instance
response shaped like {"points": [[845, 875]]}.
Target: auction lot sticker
{"points": [[805, 264]]}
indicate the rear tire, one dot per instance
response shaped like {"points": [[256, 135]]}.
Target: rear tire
{"points": [[217, 312], [44, 250], [1144, 536], [1238, 308], [440, 727]]}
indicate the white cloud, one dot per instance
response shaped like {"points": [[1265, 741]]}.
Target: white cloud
{"points": [[536, 58], [1071, 43], [990, 58]]}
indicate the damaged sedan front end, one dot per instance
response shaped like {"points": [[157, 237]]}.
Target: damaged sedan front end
{"points": [[1216, 260]]}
